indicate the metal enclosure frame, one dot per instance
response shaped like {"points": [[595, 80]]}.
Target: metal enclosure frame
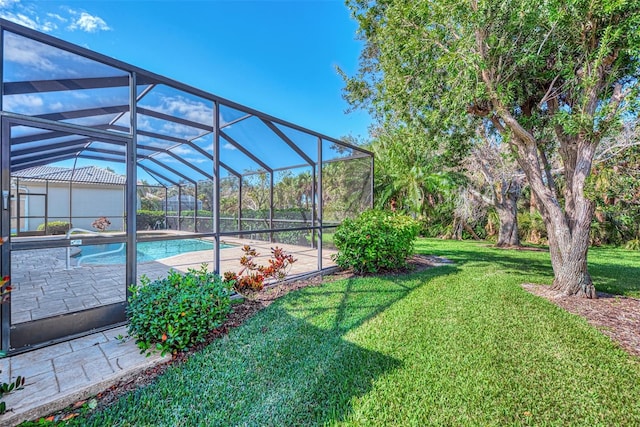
{"points": [[118, 133]]}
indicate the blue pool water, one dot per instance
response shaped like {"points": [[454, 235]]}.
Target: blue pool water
{"points": [[114, 253]]}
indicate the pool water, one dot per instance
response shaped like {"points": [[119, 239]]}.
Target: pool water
{"points": [[115, 253]]}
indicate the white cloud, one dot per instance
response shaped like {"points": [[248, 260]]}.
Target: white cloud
{"points": [[56, 16], [182, 107], [49, 26], [13, 11], [88, 23], [19, 18], [229, 146], [20, 103], [194, 111], [181, 150], [198, 160], [8, 3], [178, 130], [32, 16], [144, 124], [26, 52], [79, 95], [165, 158]]}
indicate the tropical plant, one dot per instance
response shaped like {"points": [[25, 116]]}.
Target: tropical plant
{"points": [[411, 175], [252, 276]]}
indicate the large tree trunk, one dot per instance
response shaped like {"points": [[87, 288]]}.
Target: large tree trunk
{"points": [[508, 232], [568, 221], [571, 275], [568, 228], [507, 206]]}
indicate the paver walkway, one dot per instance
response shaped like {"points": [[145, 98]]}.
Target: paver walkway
{"points": [[61, 374]]}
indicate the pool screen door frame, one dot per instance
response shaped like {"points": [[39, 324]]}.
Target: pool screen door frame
{"points": [[33, 334]]}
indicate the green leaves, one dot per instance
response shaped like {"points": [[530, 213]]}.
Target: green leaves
{"points": [[174, 313], [5, 388], [426, 62], [375, 241]]}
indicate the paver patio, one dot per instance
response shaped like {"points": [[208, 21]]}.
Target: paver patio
{"points": [[43, 287], [61, 374]]}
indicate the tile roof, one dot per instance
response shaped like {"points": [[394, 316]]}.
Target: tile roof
{"points": [[87, 174]]}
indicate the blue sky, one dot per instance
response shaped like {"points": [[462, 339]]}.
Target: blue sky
{"points": [[275, 56]]}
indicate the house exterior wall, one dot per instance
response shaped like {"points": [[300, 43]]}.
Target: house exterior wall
{"points": [[88, 202]]}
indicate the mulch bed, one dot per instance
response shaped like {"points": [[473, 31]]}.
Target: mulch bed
{"points": [[614, 315]]}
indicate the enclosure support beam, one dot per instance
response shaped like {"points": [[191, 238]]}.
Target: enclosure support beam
{"points": [[180, 206], [5, 153], [46, 204], [131, 189], [271, 205], [246, 152], [320, 224], [195, 209], [314, 206], [288, 141], [166, 206], [216, 186], [175, 172], [240, 204], [73, 172]]}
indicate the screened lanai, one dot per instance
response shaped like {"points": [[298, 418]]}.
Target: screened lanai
{"points": [[111, 172]]}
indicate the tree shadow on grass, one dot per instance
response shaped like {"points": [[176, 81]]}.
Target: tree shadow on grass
{"points": [[315, 378], [615, 271], [294, 363], [523, 262]]}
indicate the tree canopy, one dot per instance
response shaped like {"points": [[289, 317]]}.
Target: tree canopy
{"points": [[553, 77]]}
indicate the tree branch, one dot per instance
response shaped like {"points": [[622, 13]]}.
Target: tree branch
{"points": [[475, 193]]}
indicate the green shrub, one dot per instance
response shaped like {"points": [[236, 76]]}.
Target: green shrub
{"points": [[531, 228], [633, 245], [146, 220], [56, 227], [178, 311], [376, 240]]}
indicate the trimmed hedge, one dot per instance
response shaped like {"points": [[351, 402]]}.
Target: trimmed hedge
{"points": [[56, 227], [146, 220]]}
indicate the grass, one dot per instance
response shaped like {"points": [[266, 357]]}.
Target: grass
{"points": [[454, 345], [616, 271]]}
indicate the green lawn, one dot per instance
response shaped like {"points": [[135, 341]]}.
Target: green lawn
{"points": [[454, 345]]}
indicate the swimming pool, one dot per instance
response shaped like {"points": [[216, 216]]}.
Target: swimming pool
{"points": [[115, 253]]}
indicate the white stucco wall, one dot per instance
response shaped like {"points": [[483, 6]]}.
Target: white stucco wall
{"points": [[88, 202]]}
